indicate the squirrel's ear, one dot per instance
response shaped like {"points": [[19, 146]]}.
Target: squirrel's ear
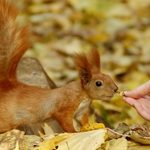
{"points": [[83, 67], [94, 60]]}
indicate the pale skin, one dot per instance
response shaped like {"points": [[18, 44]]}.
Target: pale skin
{"points": [[140, 99]]}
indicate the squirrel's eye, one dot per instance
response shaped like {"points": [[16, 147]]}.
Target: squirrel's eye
{"points": [[98, 83]]}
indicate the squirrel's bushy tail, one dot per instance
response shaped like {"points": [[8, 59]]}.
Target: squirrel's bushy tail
{"points": [[13, 40]]}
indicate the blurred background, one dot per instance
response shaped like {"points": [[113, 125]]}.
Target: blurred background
{"points": [[119, 29]]}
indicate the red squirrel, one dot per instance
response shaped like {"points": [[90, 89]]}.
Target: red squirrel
{"points": [[22, 104]]}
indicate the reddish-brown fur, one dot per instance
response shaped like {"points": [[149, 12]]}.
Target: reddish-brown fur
{"points": [[22, 104], [13, 40]]}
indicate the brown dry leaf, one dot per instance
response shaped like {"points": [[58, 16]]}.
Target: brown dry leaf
{"points": [[135, 146], [140, 134], [30, 142], [10, 139], [140, 139]]}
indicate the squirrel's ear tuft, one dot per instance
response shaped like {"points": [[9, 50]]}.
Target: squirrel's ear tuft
{"points": [[94, 60], [83, 67]]}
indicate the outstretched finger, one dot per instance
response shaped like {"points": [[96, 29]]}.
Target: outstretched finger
{"points": [[139, 91]]}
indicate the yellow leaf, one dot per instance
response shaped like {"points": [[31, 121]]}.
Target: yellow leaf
{"points": [[90, 140], [92, 126], [117, 144], [52, 143]]}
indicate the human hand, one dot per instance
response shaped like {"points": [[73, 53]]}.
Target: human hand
{"points": [[140, 99]]}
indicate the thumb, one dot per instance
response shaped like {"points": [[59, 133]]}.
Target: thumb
{"points": [[139, 91]]}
